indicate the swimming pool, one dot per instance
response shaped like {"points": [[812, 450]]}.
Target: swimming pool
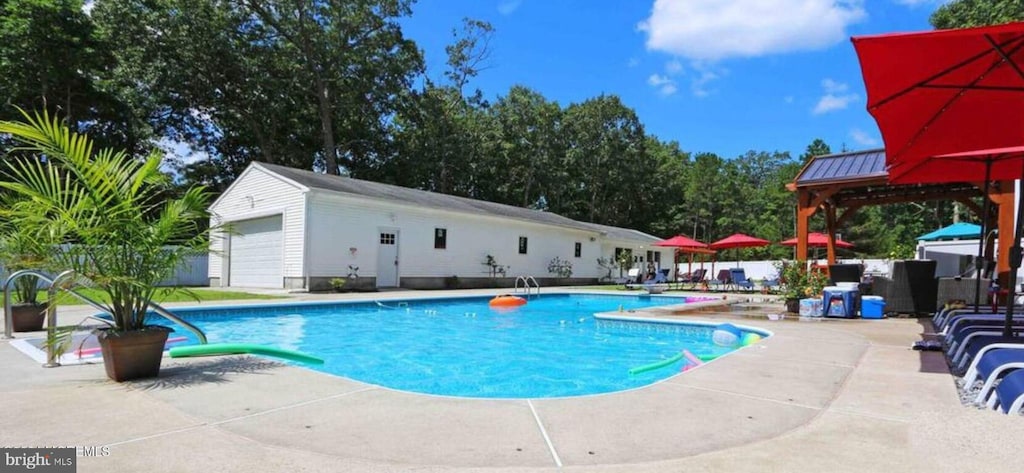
{"points": [[551, 347]]}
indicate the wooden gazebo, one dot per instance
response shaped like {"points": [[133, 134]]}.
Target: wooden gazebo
{"points": [[841, 184]]}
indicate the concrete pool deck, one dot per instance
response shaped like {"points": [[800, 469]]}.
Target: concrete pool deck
{"points": [[824, 395]]}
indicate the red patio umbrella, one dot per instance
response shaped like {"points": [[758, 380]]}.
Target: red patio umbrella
{"points": [[682, 243], [817, 240], [946, 92], [737, 241]]}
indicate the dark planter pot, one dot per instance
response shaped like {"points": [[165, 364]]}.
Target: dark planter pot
{"points": [[28, 317], [793, 305], [133, 355]]}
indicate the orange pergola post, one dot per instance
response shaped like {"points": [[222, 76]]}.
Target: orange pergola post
{"points": [[803, 217], [830, 227]]}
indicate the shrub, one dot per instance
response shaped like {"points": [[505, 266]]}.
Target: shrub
{"points": [[560, 267]]}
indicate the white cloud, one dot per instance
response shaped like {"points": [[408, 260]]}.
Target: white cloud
{"points": [[705, 75], [664, 84], [833, 87], [508, 7], [719, 29], [674, 67], [831, 103], [862, 138], [835, 98]]}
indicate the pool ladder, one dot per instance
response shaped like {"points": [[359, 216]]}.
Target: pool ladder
{"points": [[527, 287], [51, 310]]}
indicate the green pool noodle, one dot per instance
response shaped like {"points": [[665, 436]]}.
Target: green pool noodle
{"points": [[214, 349], [656, 365], [707, 357]]}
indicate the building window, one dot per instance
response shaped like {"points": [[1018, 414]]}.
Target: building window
{"points": [[440, 238], [387, 238], [579, 249], [522, 245], [657, 258]]}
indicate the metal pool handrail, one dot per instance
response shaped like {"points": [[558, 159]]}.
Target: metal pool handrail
{"points": [[52, 311], [526, 284]]}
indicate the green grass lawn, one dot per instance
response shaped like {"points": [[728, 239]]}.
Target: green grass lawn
{"points": [[162, 296]]}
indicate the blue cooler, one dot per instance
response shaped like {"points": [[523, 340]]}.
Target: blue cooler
{"points": [[872, 307], [840, 301]]}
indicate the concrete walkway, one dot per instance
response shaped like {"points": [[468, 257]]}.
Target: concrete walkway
{"points": [[827, 395]]}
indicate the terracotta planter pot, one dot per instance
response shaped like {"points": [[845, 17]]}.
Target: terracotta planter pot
{"points": [[793, 305], [133, 355], [28, 317]]}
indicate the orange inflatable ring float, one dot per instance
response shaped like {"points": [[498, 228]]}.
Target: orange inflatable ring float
{"points": [[506, 300]]}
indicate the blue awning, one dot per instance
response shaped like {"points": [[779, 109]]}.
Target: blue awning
{"points": [[956, 230]]}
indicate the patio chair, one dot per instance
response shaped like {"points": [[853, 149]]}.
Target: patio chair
{"points": [[912, 288], [698, 276], [945, 319], [722, 280], [838, 273], [631, 277], [973, 343], [991, 366], [961, 289], [972, 374], [691, 280], [1010, 393], [739, 279]]}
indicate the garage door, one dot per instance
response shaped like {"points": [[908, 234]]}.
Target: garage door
{"points": [[255, 253]]}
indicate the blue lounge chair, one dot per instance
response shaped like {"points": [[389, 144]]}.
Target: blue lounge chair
{"points": [[945, 318], [974, 343], [991, 366], [695, 277], [1010, 393], [722, 280], [739, 279], [955, 322], [656, 285], [631, 277]]}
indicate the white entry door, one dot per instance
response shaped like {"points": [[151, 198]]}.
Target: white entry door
{"points": [[387, 258]]}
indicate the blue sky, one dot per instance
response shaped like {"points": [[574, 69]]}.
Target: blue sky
{"points": [[723, 76]]}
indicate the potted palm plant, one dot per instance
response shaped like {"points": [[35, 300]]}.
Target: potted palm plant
{"points": [[116, 226], [799, 282], [19, 251]]}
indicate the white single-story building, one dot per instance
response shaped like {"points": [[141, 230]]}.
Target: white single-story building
{"points": [[296, 229]]}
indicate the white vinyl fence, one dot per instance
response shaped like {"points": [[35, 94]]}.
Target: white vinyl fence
{"points": [[767, 270], [192, 273]]}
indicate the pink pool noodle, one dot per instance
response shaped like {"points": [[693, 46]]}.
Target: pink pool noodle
{"points": [[691, 361]]}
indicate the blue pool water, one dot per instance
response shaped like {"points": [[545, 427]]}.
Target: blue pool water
{"points": [[551, 347]]}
